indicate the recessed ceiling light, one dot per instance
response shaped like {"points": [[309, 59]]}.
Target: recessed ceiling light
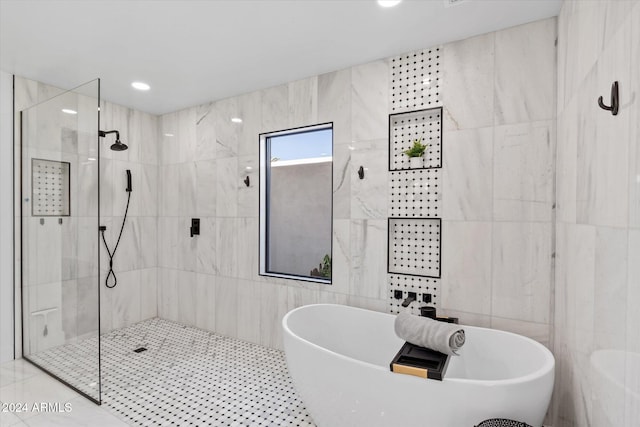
{"points": [[168, 134], [389, 3], [140, 86], [236, 120], [69, 111]]}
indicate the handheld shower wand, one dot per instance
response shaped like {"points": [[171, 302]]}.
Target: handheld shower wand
{"points": [[104, 228], [128, 181]]}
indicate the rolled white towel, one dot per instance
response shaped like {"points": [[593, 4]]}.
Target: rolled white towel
{"points": [[444, 337]]}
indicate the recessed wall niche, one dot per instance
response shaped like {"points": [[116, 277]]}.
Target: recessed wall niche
{"points": [[50, 188], [405, 128], [414, 246]]}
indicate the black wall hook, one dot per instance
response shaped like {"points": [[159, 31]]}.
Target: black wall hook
{"points": [[247, 181], [615, 100], [361, 172]]}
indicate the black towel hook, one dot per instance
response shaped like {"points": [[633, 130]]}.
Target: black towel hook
{"points": [[615, 100], [361, 172], [247, 181]]}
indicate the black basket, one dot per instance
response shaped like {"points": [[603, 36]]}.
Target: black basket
{"points": [[501, 422]]}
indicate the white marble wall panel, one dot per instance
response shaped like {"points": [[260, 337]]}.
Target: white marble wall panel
{"points": [[248, 310], [610, 290], [341, 261], [148, 244], [147, 138], [125, 299], [187, 286], [148, 293], [369, 101], [596, 292], [205, 302], [205, 132], [633, 293], [69, 311], [368, 195], [632, 379], [145, 187], [169, 190], [187, 188], [248, 245], [226, 131], [334, 104], [205, 193], [250, 111], [303, 102], [69, 248], [634, 122], [168, 289], [274, 305], [342, 178], [467, 189], [567, 155], [368, 258], [227, 244], [612, 135], [467, 83], [168, 139], [466, 266], [523, 171], [129, 252], [206, 246], [227, 187], [186, 137], [521, 271], [248, 196], [275, 108], [226, 300], [87, 308], [525, 61]]}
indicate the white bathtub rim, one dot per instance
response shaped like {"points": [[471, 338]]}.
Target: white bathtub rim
{"points": [[547, 367]]}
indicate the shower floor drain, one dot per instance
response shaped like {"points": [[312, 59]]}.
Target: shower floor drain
{"points": [[140, 349]]}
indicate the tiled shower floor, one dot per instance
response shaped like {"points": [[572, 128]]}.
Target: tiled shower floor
{"points": [[186, 377]]}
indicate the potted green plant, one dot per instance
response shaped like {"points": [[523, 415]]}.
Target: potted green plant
{"points": [[415, 154]]}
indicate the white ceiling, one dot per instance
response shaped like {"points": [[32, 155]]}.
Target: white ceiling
{"points": [[195, 51]]}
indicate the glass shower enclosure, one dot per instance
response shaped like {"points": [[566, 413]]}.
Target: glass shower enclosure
{"points": [[60, 215]]}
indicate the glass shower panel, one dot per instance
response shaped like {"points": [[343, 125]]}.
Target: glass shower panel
{"points": [[60, 217]]}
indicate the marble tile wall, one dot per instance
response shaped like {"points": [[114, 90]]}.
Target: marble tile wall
{"points": [[61, 259], [598, 222], [498, 164], [499, 140]]}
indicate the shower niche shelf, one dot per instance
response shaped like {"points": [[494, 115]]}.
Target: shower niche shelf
{"points": [[414, 246], [405, 128], [50, 188]]}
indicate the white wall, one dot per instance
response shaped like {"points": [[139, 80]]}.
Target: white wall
{"points": [[598, 217], [6, 215]]}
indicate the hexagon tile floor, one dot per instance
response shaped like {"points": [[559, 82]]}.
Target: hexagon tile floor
{"points": [[185, 377]]}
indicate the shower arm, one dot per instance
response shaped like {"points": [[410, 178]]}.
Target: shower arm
{"points": [[102, 133]]}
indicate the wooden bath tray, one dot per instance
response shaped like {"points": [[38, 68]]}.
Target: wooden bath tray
{"points": [[419, 361]]}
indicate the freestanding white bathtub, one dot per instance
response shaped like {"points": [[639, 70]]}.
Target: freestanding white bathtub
{"points": [[338, 357]]}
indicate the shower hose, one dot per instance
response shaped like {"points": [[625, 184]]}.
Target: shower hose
{"points": [[112, 254]]}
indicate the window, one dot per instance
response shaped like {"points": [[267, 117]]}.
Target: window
{"points": [[296, 189]]}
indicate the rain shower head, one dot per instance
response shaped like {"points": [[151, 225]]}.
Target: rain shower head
{"points": [[118, 145]]}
